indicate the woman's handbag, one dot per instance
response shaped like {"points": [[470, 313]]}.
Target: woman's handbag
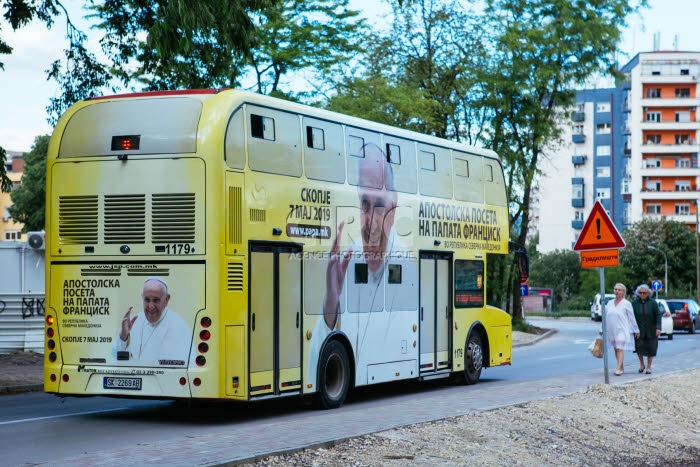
{"points": [[596, 347]]}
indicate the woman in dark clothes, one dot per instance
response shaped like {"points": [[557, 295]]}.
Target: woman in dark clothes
{"points": [[648, 316]]}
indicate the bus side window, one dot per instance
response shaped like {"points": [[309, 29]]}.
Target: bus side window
{"points": [[274, 145], [494, 183], [467, 180], [324, 158], [435, 174], [401, 153], [357, 140]]}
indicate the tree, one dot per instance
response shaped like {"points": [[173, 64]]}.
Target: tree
{"points": [[310, 35], [558, 270], [540, 51], [674, 239], [29, 199]]}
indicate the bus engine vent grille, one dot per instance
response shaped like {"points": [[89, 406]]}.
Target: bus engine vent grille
{"points": [[125, 219], [173, 217], [257, 215], [235, 277], [77, 220]]}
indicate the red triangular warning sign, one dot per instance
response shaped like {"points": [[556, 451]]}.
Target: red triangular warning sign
{"points": [[599, 232]]}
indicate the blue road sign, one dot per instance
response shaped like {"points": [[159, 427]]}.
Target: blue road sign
{"points": [[656, 285], [524, 291]]}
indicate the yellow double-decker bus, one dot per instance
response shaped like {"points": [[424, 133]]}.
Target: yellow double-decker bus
{"points": [[219, 244]]}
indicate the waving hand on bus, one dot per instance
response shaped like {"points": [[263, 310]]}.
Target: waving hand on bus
{"points": [[335, 277], [127, 324]]}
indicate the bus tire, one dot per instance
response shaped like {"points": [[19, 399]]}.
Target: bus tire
{"points": [[473, 358], [333, 376]]}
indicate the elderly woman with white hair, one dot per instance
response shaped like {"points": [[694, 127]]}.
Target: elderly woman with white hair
{"points": [[648, 317], [619, 326]]}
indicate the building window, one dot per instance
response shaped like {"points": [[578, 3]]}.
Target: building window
{"points": [[682, 209], [653, 117], [653, 139], [685, 72], [602, 129], [602, 150], [652, 163], [602, 107], [602, 172], [683, 117], [580, 107], [682, 139], [12, 235], [578, 215], [653, 209], [625, 186], [653, 185], [653, 93], [602, 193], [577, 191], [683, 163], [577, 129], [682, 185], [682, 92]]}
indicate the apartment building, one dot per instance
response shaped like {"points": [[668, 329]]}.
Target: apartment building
{"points": [[10, 230], [633, 147]]}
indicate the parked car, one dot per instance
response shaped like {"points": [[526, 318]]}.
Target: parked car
{"points": [[597, 307], [666, 319], [685, 314]]}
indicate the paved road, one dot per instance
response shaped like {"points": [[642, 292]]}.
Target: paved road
{"points": [[248, 438]]}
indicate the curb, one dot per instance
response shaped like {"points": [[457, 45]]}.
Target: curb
{"points": [[21, 388], [550, 332]]}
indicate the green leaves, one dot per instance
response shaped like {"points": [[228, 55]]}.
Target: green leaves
{"points": [[29, 198]]}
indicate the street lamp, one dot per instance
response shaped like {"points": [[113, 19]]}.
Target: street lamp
{"points": [[652, 247]]}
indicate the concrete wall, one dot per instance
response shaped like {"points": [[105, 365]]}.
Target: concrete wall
{"points": [[22, 291]]}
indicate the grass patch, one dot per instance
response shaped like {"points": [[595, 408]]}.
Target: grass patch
{"points": [[520, 325]]}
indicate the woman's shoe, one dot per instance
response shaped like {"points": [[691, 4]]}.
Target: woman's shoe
{"points": [[618, 373], [641, 370], [648, 372]]}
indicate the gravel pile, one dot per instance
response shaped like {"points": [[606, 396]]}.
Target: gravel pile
{"points": [[650, 422]]}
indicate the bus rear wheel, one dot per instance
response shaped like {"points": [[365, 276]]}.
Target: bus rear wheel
{"points": [[473, 358], [333, 376]]}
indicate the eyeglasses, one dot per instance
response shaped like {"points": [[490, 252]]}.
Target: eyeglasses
{"points": [[642, 292]]}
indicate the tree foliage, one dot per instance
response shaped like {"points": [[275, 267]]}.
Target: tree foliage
{"points": [[674, 239], [30, 197], [558, 270]]}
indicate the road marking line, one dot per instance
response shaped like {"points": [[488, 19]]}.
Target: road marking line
{"points": [[9, 422]]}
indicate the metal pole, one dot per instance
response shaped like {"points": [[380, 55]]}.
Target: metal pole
{"points": [[697, 251], [602, 314]]}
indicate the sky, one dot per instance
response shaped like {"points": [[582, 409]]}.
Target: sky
{"points": [[25, 92]]}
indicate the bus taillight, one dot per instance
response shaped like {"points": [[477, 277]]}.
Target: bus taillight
{"points": [[205, 322], [201, 361], [205, 335], [203, 347], [49, 320]]}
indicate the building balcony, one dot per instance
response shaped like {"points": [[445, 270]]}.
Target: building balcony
{"points": [[674, 79], [688, 219], [683, 148], [670, 102], [669, 172], [578, 116], [627, 197], [578, 138], [661, 126], [578, 160], [652, 195], [578, 225], [577, 203]]}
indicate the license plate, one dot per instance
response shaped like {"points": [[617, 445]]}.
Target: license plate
{"points": [[122, 383]]}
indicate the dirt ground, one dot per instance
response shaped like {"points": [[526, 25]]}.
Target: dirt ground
{"points": [[21, 369]]}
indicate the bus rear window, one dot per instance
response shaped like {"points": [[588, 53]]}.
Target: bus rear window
{"points": [[469, 284]]}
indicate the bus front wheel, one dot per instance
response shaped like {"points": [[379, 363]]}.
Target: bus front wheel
{"points": [[473, 358], [333, 376]]}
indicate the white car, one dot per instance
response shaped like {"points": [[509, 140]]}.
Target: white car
{"points": [[666, 319], [597, 307]]}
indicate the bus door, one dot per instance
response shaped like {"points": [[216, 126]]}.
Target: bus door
{"points": [[275, 319], [435, 312]]}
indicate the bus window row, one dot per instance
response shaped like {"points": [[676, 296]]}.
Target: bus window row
{"points": [[285, 143]]}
